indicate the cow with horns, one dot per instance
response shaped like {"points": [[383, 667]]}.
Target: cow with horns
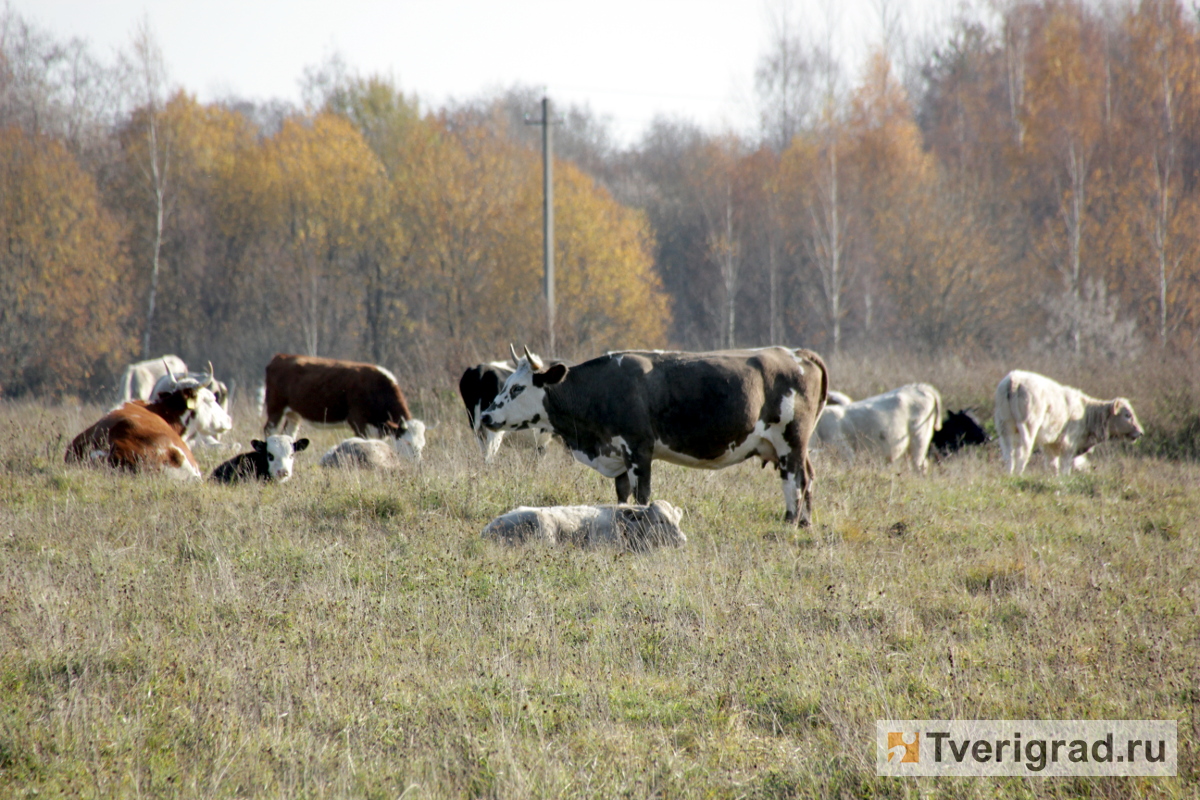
{"points": [[619, 412], [145, 437]]}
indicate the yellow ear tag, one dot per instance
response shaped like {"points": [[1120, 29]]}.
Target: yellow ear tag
{"points": [[191, 403]]}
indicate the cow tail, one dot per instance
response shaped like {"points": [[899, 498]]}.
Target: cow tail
{"points": [[938, 410], [127, 386], [816, 359]]}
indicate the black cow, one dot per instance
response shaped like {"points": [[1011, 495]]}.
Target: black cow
{"points": [[960, 429], [619, 412], [271, 460]]}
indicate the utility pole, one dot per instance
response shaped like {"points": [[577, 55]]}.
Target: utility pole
{"points": [[547, 214]]}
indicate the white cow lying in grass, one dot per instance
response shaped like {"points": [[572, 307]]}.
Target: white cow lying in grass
{"points": [[628, 527], [1033, 410], [887, 425], [370, 453]]}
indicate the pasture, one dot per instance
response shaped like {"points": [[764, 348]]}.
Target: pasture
{"points": [[349, 634]]}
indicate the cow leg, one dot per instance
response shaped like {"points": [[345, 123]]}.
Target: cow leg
{"points": [[797, 473], [623, 487], [641, 480], [1023, 449]]}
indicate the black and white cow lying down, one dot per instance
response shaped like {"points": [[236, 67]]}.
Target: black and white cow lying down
{"points": [[272, 460], [636, 528], [621, 411]]}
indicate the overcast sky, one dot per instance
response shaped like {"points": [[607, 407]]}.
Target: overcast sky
{"points": [[628, 60]]}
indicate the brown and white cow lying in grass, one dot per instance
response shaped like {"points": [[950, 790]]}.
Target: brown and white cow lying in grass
{"points": [[141, 436], [1033, 410], [636, 528]]}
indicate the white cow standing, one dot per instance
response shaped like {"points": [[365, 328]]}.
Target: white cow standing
{"points": [[138, 380], [1033, 410], [887, 425]]}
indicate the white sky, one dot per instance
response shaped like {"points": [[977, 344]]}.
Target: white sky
{"points": [[628, 60]]}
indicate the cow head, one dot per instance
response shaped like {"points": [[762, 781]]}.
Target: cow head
{"points": [[412, 442], [280, 451], [1122, 422], [207, 417], [522, 402]]}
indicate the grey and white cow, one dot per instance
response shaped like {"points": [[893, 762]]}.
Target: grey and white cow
{"points": [[138, 380], [360, 453], [636, 528], [889, 425], [619, 412]]}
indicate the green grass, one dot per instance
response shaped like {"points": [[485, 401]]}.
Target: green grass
{"points": [[351, 635]]}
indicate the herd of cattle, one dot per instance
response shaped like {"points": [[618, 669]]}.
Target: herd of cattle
{"points": [[617, 414]]}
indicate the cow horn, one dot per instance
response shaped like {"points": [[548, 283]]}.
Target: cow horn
{"points": [[535, 363], [211, 376], [170, 374], [513, 350]]}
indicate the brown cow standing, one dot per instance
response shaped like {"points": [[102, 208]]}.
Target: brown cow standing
{"points": [[326, 391], [142, 437]]}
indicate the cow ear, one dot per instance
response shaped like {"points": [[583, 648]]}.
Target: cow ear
{"points": [[551, 376], [300, 444], [1115, 409], [258, 445]]}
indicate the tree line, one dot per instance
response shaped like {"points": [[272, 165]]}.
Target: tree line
{"points": [[1028, 181]]}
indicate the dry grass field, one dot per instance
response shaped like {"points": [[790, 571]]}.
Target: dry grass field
{"points": [[350, 635]]}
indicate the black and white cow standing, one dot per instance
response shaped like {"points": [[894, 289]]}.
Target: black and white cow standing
{"points": [[272, 460], [619, 412], [478, 387]]}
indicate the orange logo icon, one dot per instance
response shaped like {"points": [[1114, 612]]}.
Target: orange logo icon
{"points": [[903, 748]]}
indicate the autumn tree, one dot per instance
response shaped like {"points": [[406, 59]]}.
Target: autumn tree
{"points": [[1159, 201], [150, 143], [310, 199], [63, 309]]}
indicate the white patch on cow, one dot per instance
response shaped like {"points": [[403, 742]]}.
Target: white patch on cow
{"points": [[765, 441], [187, 471], [412, 442], [281, 457], [97, 455], [612, 461], [388, 374], [610, 466], [790, 493]]}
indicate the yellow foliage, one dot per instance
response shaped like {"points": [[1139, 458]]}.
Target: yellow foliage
{"points": [[62, 308]]}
